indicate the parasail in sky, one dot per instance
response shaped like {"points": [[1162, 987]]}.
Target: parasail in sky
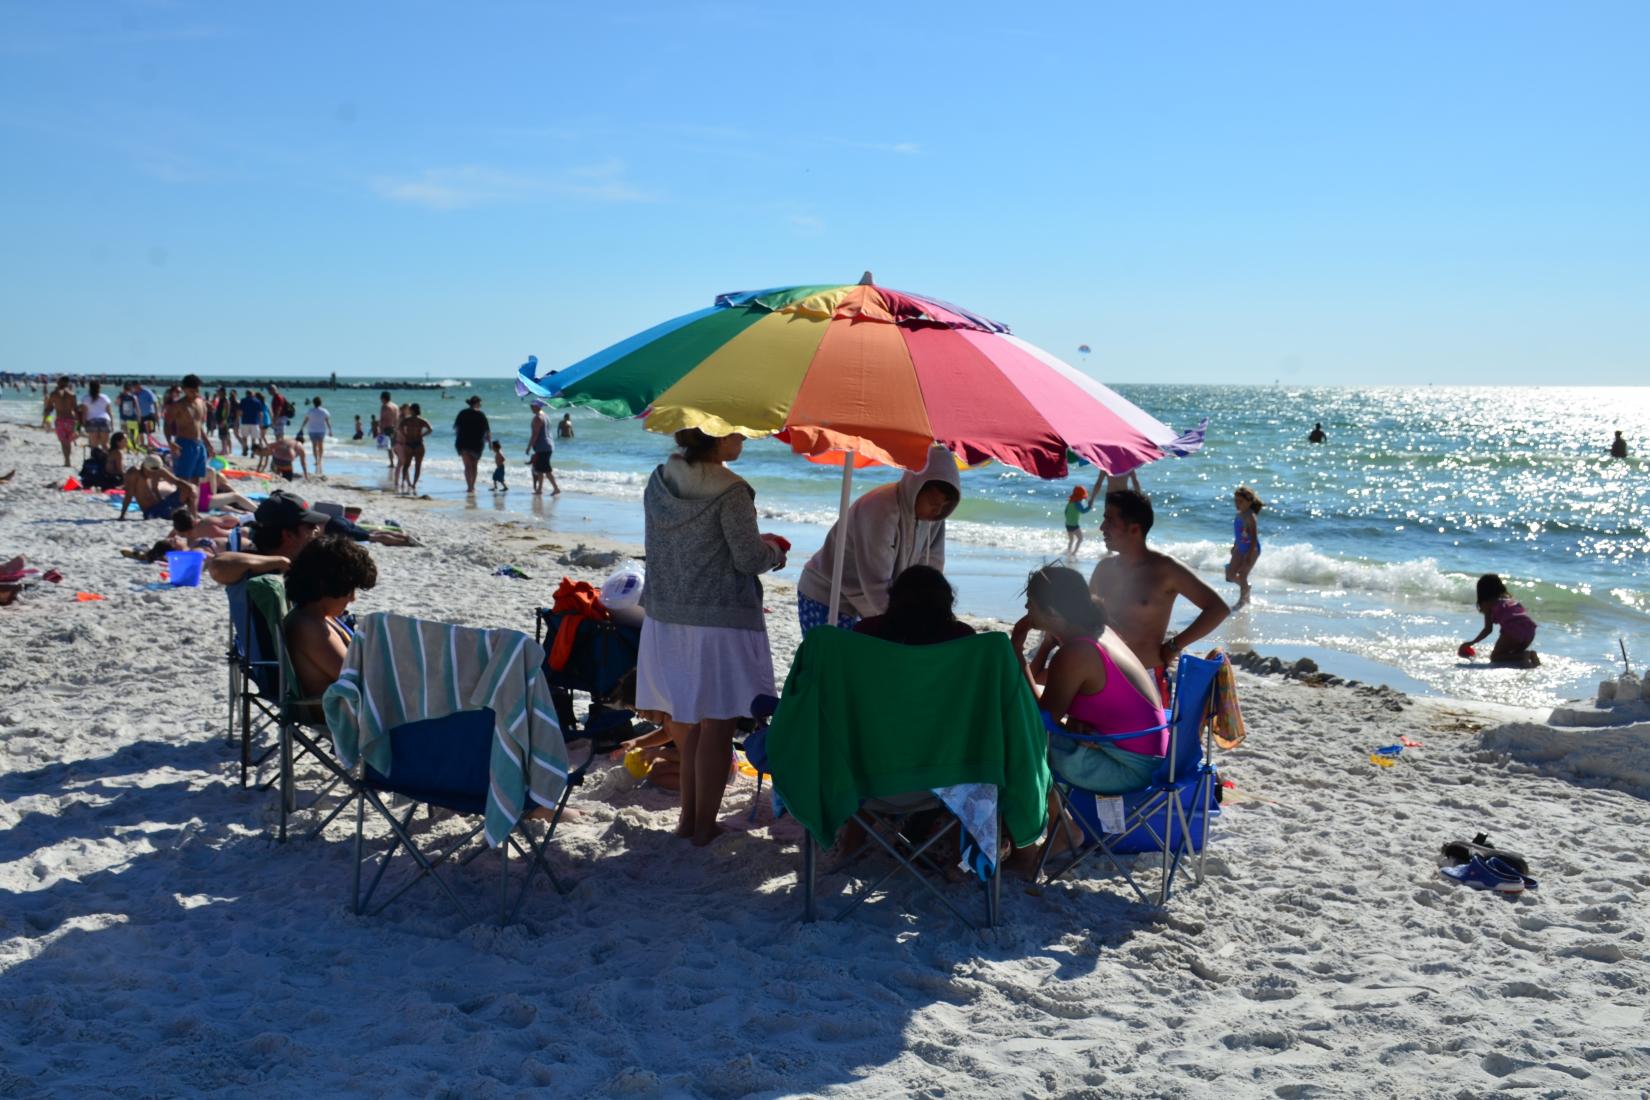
{"points": [[1084, 348]]}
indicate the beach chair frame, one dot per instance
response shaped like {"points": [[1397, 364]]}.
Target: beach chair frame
{"points": [[427, 863], [909, 855], [1183, 829], [257, 712]]}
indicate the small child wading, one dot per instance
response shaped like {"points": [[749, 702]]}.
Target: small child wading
{"points": [[1245, 540], [498, 469], [1075, 510], [1512, 646]]}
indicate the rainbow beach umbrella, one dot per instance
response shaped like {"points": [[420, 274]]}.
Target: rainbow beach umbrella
{"points": [[862, 374], [865, 370]]}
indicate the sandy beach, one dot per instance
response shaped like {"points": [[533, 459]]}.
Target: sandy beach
{"points": [[156, 941]]}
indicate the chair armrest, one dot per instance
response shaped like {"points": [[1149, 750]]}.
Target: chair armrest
{"points": [[1056, 730]]}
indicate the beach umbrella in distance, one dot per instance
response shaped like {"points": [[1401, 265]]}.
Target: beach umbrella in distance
{"points": [[861, 374]]}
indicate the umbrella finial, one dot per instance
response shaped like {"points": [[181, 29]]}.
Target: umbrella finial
{"points": [[865, 279]]}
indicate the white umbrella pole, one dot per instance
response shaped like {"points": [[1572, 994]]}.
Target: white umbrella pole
{"points": [[841, 535]]}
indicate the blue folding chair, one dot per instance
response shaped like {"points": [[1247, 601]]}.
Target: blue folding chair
{"points": [[443, 762], [1170, 817]]}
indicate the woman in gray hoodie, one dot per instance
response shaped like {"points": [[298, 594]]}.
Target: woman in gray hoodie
{"points": [[704, 652]]}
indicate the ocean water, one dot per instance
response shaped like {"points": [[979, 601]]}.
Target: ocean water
{"points": [[1371, 542]]}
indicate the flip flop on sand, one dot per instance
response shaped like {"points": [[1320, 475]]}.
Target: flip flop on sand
{"points": [[1488, 874], [1463, 851]]}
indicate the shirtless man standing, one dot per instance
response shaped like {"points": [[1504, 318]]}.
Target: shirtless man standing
{"points": [[1139, 587], [388, 415], [65, 409], [189, 427]]}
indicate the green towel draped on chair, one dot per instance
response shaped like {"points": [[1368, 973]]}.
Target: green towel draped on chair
{"points": [[864, 718]]}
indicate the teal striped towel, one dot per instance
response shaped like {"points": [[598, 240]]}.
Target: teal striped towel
{"points": [[402, 670]]}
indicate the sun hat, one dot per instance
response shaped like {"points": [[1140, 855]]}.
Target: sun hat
{"points": [[153, 462]]}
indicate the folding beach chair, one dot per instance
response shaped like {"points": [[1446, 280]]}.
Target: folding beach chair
{"points": [[1170, 817], [254, 667], [449, 762], [301, 735], [884, 735]]}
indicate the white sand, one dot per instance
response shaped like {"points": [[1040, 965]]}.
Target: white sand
{"points": [[155, 941]]}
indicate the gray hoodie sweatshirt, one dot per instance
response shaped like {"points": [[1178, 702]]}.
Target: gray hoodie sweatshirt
{"points": [[884, 538], [703, 549]]}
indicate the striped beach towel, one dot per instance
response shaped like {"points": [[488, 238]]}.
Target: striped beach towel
{"points": [[402, 670]]}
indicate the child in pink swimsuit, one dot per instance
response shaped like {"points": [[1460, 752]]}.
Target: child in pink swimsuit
{"points": [[1517, 628]]}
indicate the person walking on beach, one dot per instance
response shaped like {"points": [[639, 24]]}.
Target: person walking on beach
{"points": [[317, 425], [704, 651], [63, 406], [1245, 540], [252, 411], [1512, 645], [564, 430], [388, 414], [97, 414], [223, 413], [1139, 587], [888, 529], [126, 404], [498, 468], [1317, 434], [470, 434], [148, 409], [280, 411], [410, 430], [1618, 446], [1076, 509], [539, 450]]}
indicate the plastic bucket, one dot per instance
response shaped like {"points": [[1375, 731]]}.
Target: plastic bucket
{"points": [[185, 567]]}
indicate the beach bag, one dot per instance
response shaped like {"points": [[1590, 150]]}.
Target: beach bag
{"points": [[94, 472], [1224, 718]]}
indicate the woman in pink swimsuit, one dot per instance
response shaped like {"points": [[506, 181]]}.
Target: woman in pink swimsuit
{"points": [[1093, 683]]}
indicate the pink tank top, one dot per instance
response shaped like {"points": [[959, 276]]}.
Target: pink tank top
{"points": [[1120, 708]]}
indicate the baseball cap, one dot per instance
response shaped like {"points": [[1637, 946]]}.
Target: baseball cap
{"points": [[153, 462], [283, 510]]}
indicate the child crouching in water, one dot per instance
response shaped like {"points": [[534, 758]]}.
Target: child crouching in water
{"points": [[1512, 646], [498, 468]]}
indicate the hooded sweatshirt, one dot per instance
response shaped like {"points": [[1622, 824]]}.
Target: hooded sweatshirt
{"points": [[703, 549], [884, 539]]}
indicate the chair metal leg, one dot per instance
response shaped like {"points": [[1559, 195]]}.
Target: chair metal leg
{"points": [[808, 913], [360, 815], [246, 733]]}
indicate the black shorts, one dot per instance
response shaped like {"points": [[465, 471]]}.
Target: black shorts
{"points": [[541, 462]]}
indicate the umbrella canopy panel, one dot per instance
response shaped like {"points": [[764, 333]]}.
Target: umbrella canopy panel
{"points": [[883, 373]]}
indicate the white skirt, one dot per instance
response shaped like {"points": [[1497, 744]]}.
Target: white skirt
{"points": [[696, 672]]}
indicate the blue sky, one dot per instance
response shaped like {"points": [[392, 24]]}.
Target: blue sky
{"points": [[1402, 192]]}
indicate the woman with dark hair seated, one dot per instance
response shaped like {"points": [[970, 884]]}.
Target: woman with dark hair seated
{"points": [[320, 585], [1092, 683], [920, 610]]}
